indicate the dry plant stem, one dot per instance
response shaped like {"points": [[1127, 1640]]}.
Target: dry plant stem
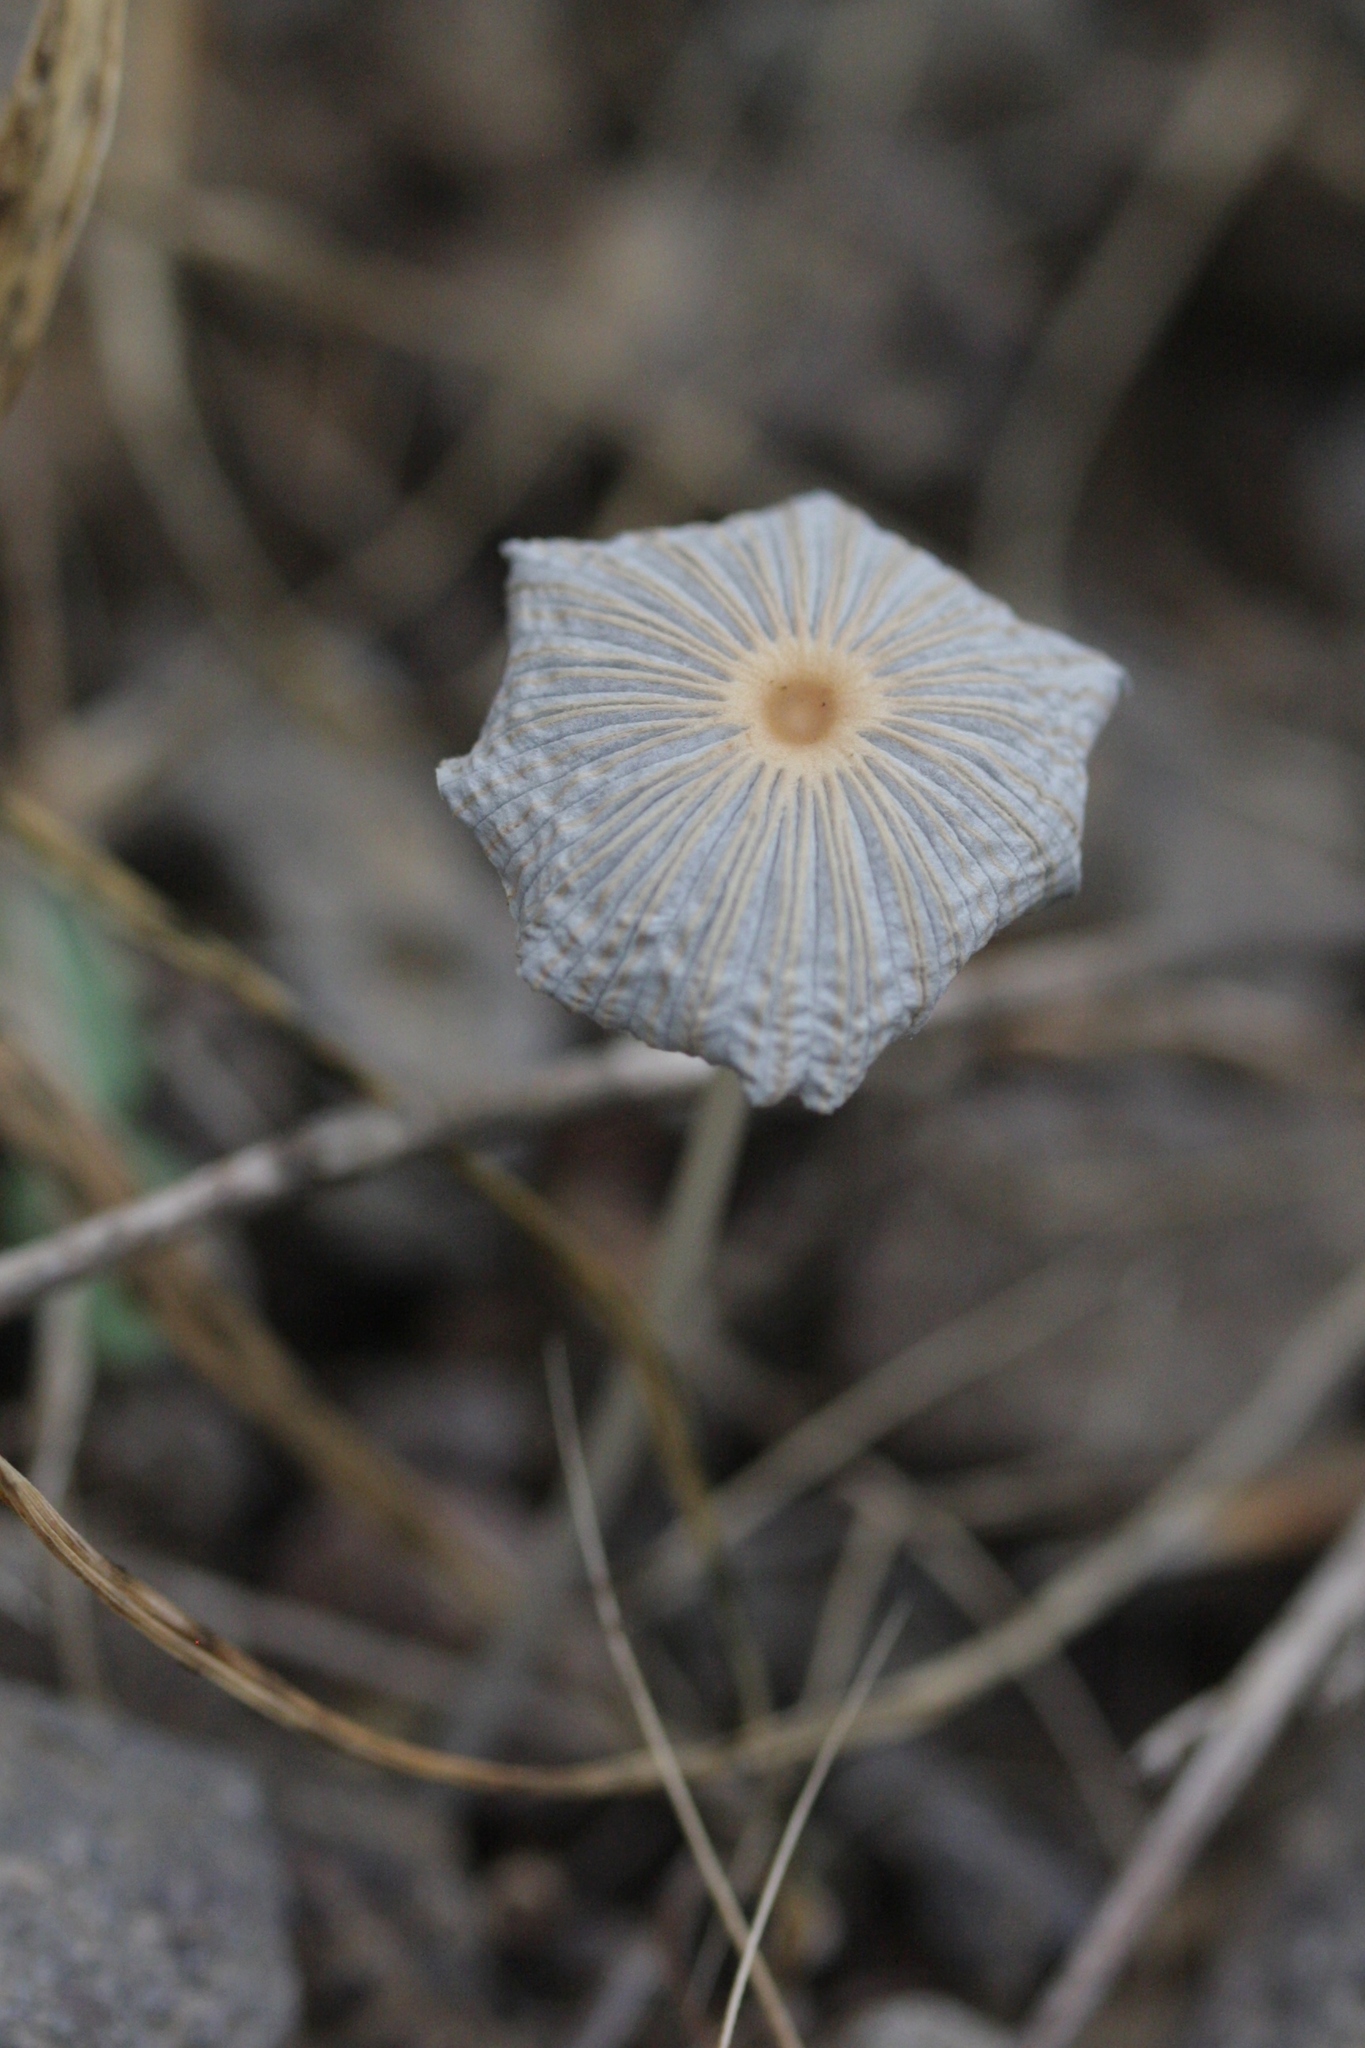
{"points": [[616, 1435], [53, 138], [696, 1208], [1062, 1703], [243, 1679], [633, 1982], [985, 1340], [869, 1551], [336, 1146], [143, 348], [140, 913], [1253, 1708], [64, 1381], [637, 1691], [223, 1341], [836, 1736], [1215, 1528], [1240, 108], [296, 1633], [135, 912]]}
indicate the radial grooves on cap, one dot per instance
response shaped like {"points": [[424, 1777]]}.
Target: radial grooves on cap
{"points": [[781, 892]]}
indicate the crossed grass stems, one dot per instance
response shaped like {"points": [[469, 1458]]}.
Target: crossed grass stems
{"points": [[1216, 1507], [1211, 1509]]}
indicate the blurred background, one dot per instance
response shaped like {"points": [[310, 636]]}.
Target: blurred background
{"points": [[1071, 292]]}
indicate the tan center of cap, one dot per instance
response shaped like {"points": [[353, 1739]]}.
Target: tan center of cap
{"points": [[800, 710]]}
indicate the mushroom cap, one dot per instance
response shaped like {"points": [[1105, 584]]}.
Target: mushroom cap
{"points": [[757, 789]]}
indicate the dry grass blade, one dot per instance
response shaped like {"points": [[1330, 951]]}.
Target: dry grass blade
{"points": [[985, 1340], [53, 138], [137, 912], [837, 1734], [243, 1679], [632, 1678], [140, 334], [1199, 1516], [938, 1687], [222, 1340], [983, 1591], [1239, 109], [1252, 1709]]}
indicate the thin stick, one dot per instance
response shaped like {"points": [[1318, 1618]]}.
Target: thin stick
{"points": [[836, 1736], [1254, 1707], [63, 1386], [227, 1344], [201, 1650], [1210, 1530], [1058, 1696], [637, 1691], [336, 1146], [616, 1434], [995, 1334], [140, 913]]}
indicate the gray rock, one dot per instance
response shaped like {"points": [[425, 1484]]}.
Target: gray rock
{"points": [[921, 2021], [1292, 1971], [991, 1898], [141, 1900]]}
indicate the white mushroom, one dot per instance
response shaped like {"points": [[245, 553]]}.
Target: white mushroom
{"points": [[758, 789]]}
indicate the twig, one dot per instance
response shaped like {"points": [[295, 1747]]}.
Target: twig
{"points": [[1210, 1531], [1161, 1749], [869, 1552], [637, 1691], [140, 913], [336, 1146], [1239, 109], [303, 1636], [53, 138], [984, 1341], [1253, 1708], [1061, 1701], [690, 1225], [199, 1649], [63, 1387], [222, 1340], [836, 1736]]}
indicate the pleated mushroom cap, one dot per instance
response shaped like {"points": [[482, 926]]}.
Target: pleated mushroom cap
{"points": [[756, 790]]}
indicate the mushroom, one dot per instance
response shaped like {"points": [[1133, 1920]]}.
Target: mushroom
{"points": [[757, 789]]}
